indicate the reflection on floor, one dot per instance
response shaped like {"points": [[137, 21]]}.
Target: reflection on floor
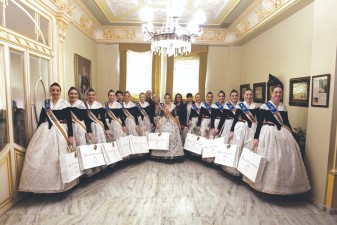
{"points": [[150, 192]]}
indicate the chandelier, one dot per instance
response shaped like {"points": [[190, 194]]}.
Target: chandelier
{"points": [[171, 38]]}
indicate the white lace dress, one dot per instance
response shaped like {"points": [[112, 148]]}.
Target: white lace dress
{"points": [[80, 135], [228, 124], [98, 131], [175, 144], [243, 137], [284, 173], [115, 128], [41, 168], [144, 124], [129, 122], [194, 119]]}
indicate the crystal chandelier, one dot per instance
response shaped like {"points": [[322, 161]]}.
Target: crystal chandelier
{"points": [[171, 38]]}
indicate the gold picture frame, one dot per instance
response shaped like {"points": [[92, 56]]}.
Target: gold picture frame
{"points": [[82, 76]]}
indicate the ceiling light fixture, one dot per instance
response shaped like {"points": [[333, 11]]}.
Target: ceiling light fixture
{"points": [[171, 38]]}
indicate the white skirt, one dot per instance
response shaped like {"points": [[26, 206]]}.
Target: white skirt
{"points": [[175, 144], [41, 168], [115, 129], [216, 124], [145, 125], [205, 127], [98, 133], [131, 127], [193, 125], [227, 129], [79, 136], [243, 137], [284, 173]]}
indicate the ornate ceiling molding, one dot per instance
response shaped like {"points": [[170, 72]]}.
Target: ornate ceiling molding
{"points": [[251, 21], [65, 5], [119, 33]]}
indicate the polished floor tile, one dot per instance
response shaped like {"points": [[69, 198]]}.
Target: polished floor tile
{"points": [[159, 193]]}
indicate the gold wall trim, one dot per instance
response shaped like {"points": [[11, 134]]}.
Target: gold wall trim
{"points": [[331, 193], [18, 167], [7, 159], [22, 41]]}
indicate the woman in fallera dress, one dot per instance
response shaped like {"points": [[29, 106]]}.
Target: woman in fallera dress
{"points": [[204, 120], [189, 103], [243, 127], [145, 115], [41, 168], [284, 173], [131, 112], [218, 112], [81, 121], [195, 114], [115, 117], [181, 113], [230, 108], [167, 122], [97, 114]]}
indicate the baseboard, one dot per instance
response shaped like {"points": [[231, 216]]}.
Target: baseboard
{"points": [[316, 203], [11, 204]]}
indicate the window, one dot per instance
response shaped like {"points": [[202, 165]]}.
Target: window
{"points": [[18, 97], [138, 72], [186, 75], [3, 107]]}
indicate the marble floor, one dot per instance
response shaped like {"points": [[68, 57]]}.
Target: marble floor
{"points": [[149, 192]]}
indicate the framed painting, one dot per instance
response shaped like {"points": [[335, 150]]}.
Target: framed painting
{"points": [[299, 91], [243, 88], [82, 76], [259, 91], [320, 91]]}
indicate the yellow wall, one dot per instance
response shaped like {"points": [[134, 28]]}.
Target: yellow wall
{"points": [[322, 121], [77, 42], [107, 70], [284, 51], [223, 69]]}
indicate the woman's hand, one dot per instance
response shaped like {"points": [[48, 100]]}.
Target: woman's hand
{"points": [[107, 133], [124, 129], [255, 143], [190, 123], [138, 129], [70, 141], [231, 135]]}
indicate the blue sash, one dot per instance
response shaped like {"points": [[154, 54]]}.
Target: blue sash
{"points": [[195, 107], [219, 106], [275, 112], [141, 109], [231, 107], [247, 112], [208, 107]]}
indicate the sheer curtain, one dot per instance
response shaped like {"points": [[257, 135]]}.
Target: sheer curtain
{"points": [[138, 72], [186, 75]]}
